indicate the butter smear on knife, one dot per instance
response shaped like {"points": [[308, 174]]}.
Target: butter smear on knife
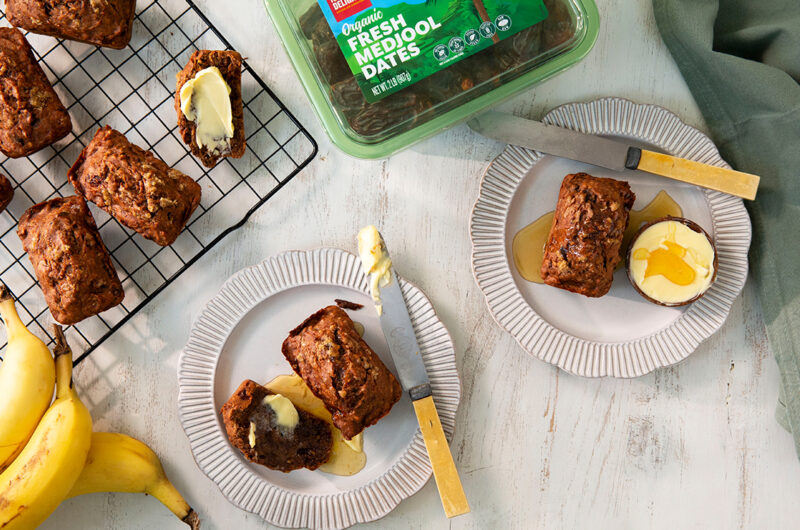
{"points": [[375, 261]]}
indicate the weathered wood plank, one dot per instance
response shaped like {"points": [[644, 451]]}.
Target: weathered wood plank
{"points": [[693, 446]]}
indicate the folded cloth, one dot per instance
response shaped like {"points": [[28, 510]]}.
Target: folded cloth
{"points": [[741, 60]]}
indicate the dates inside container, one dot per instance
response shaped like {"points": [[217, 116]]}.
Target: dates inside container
{"points": [[404, 107], [442, 91]]}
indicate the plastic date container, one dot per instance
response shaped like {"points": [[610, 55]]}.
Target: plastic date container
{"points": [[442, 100]]}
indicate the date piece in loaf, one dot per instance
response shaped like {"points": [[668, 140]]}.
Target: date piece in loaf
{"points": [[69, 258], [583, 247], [252, 428], [104, 23], [138, 189], [229, 64], [342, 370], [31, 115]]}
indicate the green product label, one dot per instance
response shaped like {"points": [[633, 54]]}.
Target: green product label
{"points": [[392, 44]]}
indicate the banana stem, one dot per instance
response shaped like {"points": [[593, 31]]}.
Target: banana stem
{"points": [[5, 294], [63, 355], [14, 326], [192, 519]]}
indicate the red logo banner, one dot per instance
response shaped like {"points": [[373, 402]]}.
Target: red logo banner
{"points": [[346, 8]]}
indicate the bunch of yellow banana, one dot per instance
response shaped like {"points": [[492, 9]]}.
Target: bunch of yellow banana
{"points": [[50, 454]]}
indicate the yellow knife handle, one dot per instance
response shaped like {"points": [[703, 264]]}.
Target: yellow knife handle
{"points": [[736, 183], [454, 500]]}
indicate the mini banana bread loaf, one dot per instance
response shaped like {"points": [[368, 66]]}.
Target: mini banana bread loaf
{"points": [[342, 370], [583, 247], [105, 23], [31, 115], [135, 187], [69, 258], [254, 428], [229, 64]]}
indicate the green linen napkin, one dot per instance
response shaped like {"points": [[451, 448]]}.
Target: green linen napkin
{"points": [[741, 60]]}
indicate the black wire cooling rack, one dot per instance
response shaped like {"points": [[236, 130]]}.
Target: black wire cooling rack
{"points": [[132, 90]]}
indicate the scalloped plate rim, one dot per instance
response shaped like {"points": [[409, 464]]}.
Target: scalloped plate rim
{"points": [[417, 443], [559, 360]]}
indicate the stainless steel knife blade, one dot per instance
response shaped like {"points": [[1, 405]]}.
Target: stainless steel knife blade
{"points": [[399, 333], [611, 154], [550, 139]]}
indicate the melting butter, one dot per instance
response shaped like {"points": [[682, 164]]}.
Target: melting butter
{"points": [[286, 415], [672, 263], [205, 100], [347, 456], [251, 437], [356, 443], [375, 261], [527, 247]]}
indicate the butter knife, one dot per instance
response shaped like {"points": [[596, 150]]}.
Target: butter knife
{"points": [[396, 324], [612, 154]]}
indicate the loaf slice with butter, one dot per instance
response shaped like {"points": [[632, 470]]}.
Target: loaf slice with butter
{"points": [[269, 430], [212, 129]]}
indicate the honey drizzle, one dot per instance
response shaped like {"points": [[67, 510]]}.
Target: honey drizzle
{"points": [[668, 262], [661, 206], [527, 248]]}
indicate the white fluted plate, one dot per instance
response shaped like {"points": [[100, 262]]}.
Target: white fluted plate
{"points": [[238, 336], [620, 334]]}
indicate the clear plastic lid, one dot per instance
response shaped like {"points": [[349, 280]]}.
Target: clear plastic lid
{"points": [[372, 130]]}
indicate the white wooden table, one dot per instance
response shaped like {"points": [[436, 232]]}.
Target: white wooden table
{"points": [[693, 446]]}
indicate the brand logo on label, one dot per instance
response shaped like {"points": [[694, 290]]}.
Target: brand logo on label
{"points": [[345, 8]]}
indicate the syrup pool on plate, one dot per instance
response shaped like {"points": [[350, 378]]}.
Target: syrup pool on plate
{"points": [[347, 456], [527, 247]]}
